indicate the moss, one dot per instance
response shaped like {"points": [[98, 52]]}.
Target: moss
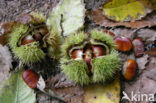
{"points": [[105, 67], [76, 71]]}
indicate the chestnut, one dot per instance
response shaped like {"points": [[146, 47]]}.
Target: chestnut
{"points": [[37, 37], [129, 69], [123, 44], [43, 31], [27, 39], [77, 54], [98, 50], [31, 78], [138, 47]]}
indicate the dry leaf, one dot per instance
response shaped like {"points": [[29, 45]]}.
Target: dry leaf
{"points": [[98, 93], [151, 52], [73, 94], [101, 20], [65, 88], [142, 61], [147, 35], [59, 81]]}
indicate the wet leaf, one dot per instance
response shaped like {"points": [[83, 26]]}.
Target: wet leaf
{"points": [[67, 17], [98, 93], [101, 20], [126, 10], [15, 90]]}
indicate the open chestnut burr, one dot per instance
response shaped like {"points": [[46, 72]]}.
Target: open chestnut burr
{"points": [[89, 58]]}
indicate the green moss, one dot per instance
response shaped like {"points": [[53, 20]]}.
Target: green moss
{"points": [[25, 53], [76, 70], [105, 67]]}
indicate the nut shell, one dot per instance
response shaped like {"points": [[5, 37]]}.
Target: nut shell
{"points": [[123, 44], [138, 47], [31, 78], [129, 69]]}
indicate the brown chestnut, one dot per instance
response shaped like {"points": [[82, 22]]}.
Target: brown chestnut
{"points": [[98, 50], [129, 69], [138, 47], [27, 39], [37, 37], [123, 44], [77, 54], [31, 78], [43, 31]]}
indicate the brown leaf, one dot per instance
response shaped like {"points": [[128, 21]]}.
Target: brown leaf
{"points": [[59, 81], [65, 88], [5, 29], [101, 20], [151, 52], [142, 61], [73, 94]]}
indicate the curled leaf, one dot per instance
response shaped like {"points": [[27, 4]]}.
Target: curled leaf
{"points": [[126, 10]]}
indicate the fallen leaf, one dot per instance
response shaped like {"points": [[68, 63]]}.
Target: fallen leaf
{"points": [[62, 86], [101, 20], [67, 17], [147, 35], [151, 52], [5, 63], [15, 90], [73, 94], [98, 93], [126, 10], [142, 61], [59, 81]]}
